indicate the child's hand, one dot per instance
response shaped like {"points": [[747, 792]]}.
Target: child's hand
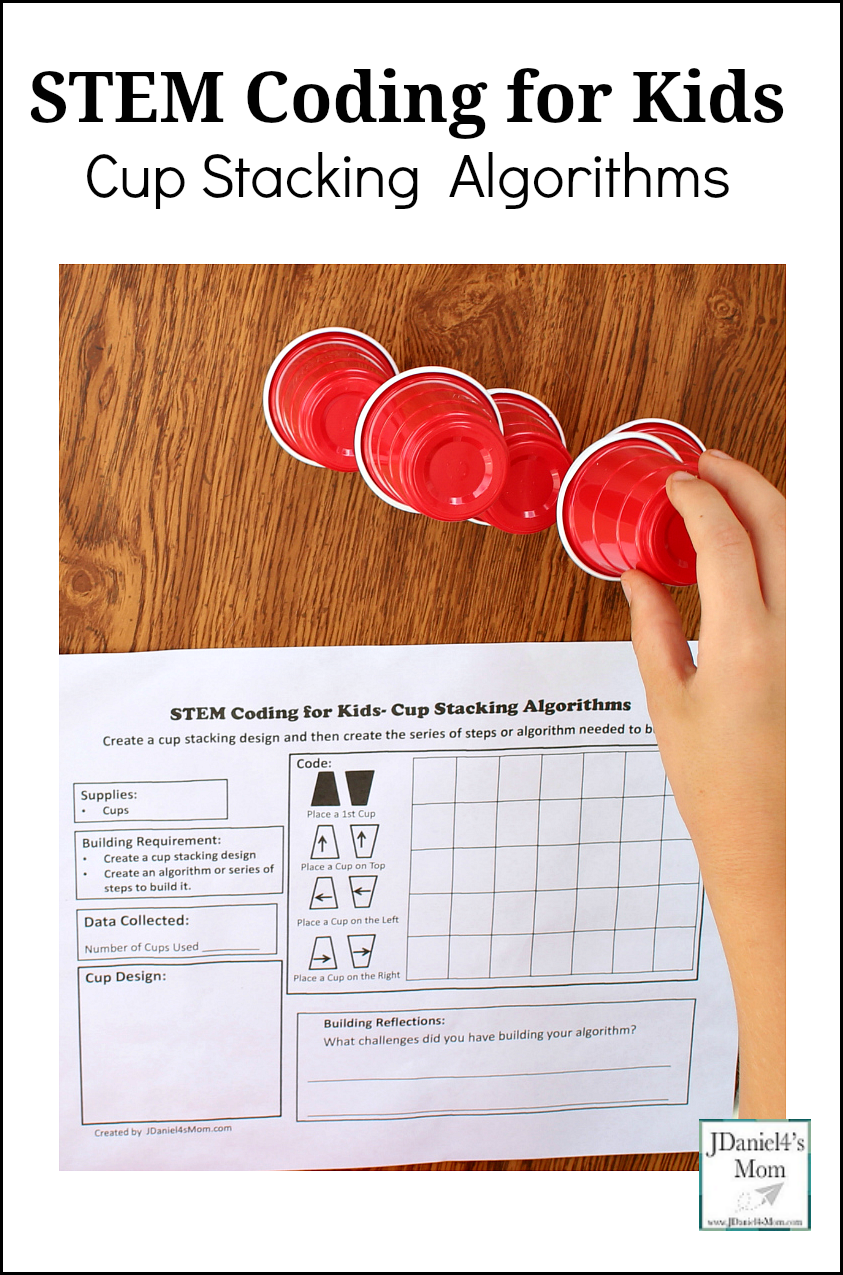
{"points": [[721, 731]]}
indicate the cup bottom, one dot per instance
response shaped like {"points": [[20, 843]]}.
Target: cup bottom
{"points": [[527, 503], [454, 472]]}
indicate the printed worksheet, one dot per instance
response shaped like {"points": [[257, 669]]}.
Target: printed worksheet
{"points": [[339, 907]]}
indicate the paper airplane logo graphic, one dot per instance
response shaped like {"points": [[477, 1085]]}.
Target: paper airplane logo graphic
{"points": [[770, 1192]]}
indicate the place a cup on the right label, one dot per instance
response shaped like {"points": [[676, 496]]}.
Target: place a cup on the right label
{"points": [[430, 441], [538, 461], [614, 514]]}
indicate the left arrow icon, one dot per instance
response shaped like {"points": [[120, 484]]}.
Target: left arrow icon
{"points": [[324, 896]]}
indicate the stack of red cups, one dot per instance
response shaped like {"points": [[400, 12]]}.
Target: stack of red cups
{"points": [[433, 441], [613, 511], [430, 441]]}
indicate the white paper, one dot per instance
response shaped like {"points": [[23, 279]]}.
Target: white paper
{"points": [[338, 907]]}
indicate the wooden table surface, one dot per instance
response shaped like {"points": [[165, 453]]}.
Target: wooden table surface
{"points": [[183, 524]]}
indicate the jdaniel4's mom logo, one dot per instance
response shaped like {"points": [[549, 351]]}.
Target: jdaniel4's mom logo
{"points": [[755, 1175]]}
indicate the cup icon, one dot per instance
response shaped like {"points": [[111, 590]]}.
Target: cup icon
{"points": [[614, 514], [315, 390], [538, 461], [430, 441]]}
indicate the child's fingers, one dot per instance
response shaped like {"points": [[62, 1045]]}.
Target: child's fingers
{"points": [[658, 638], [726, 572], [761, 509]]}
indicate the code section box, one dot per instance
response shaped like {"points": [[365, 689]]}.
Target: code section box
{"points": [[228, 929], [509, 1059], [111, 802], [148, 863]]}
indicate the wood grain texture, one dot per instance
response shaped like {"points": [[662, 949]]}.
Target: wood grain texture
{"points": [[184, 525], [683, 1161]]}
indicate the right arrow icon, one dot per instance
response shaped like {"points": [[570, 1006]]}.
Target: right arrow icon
{"points": [[360, 946], [322, 957]]}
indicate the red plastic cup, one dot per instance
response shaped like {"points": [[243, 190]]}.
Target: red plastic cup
{"points": [[430, 441], [614, 514], [316, 389], [680, 438], [538, 461]]}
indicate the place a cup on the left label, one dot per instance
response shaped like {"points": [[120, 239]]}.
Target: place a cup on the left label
{"points": [[317, 387]]}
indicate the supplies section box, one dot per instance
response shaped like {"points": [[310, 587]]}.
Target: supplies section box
{"points": [[146, 863], [173, 933], [372, 1065], [111, 802], [180, 1042]]}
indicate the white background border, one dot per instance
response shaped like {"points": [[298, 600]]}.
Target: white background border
{"points": [[782, 208]]}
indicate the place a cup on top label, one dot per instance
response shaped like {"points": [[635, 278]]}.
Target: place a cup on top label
{"points": [[316, 389], [538, 461], [614, 514], [430, 441]]}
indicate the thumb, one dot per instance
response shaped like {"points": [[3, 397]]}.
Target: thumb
{"points": [[658, 639]]}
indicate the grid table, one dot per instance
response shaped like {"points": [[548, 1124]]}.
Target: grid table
{"points": [[571, 864]]}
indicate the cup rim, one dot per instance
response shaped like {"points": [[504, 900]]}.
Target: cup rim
{"points": [[657, 420], [572, 471], [532, 399], [267, 384], [367, 407]]}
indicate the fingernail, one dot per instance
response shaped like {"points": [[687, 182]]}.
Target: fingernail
{"points": [[625, 591], [681, 476], [712, 451]]}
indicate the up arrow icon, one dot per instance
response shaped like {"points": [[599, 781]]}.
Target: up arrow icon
{"points": [[363, 838]]}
